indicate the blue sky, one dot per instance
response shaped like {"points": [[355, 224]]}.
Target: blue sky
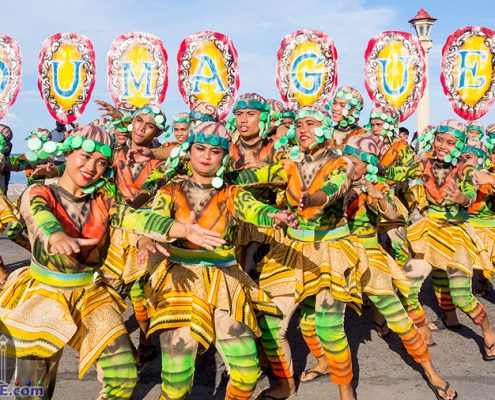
{"points": [[256, 28]]}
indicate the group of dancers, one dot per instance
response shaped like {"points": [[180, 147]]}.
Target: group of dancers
{"points": [[219, 236]]}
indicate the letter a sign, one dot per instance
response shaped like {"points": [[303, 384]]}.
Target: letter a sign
{"points": [[468, 71], [306, 68], [66, 75], [395, 71], [137, 69], [208, 71], [10, 73]]}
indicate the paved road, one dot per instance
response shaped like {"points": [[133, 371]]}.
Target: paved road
{"points": [[382, 368]]}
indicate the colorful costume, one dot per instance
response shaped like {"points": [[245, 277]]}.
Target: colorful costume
{"points": [[317, 260], [204, 296], [61, 299], [443, 237]]}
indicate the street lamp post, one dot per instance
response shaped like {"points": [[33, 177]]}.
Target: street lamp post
{"points": [[422, 23]]}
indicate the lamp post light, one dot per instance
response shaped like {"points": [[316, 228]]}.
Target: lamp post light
{"points": [[422, 23]]}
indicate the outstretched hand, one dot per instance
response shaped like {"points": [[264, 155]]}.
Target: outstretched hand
{"points": [[147, 246], [47, 169], [454, 194], [284, 218], [61, 243], [201, 236], [110, 111], [139, 154]]}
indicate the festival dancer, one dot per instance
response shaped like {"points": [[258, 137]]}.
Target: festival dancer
{"points": [[370, 202], [121, 265], [59, 299], [443, 239], [318, 260], [345, 110], [203, 296]]}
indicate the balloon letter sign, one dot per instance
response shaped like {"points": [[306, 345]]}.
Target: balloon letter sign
{"points": [[306, 68], [10, 73], [468, 71], [395, 71], [66, 75], [137, 69], [207, 68]]}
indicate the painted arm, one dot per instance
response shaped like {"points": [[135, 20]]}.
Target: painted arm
{"points": [[273, 174]]}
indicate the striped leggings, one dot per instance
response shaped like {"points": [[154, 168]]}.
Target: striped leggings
{"points": [[397, 320], [236, 345], [453, 288], [328, 327], [116, 370]]}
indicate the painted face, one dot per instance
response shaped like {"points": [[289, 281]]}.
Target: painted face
{"points": [[473, 134], [206, 159], [85, 168], [283, 127], [376, 126], [247, 122], [143, 129], [121, 137], [181, 132], [403, 135], [305, 135], [443, 145], [359, 168], [470, 159], [338, 106]]}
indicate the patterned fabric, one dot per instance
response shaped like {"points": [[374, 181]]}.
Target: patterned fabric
{"points": [[380, 275], [130, 178], [41, 316], [184, 294]]}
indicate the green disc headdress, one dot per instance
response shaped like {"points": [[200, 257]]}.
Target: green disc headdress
{"points": [[490, 138], [455, 129], [180, 118], [91, 138], [203, 112], [476, 148], [365, 148], [476, 126], [279, 112], [322, 132], [427, 138], [354, 105], [390, 117], [155, 111], [212, 133], [253, 101]]}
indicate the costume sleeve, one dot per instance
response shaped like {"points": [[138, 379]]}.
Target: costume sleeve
{"points": [[274, 174], [247, 209], [466, 184], [144, 222], [339, 179], [37, 213]]}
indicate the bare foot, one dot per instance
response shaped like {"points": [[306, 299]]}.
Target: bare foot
{"points": [[279, 389]]}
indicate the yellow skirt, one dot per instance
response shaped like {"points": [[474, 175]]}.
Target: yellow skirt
{"points": [[187, 295], [380, 274], [42, 319], [121, 263], [487, 236], [446, 244], [8, 212], [301, 269]]}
